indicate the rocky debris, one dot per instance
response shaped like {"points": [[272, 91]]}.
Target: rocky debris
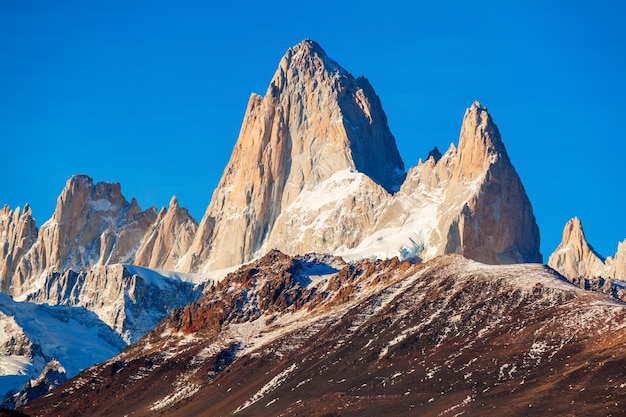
{"points": [[315, 336]]}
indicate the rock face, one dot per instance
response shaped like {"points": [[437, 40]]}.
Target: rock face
{"points": [[617, 264], [92, 225], [496, 225], [18, 232], [315, 168], [51, 377], [576, 260], [316, 119], [168, 239], [129, 299], [468, 201], [575, 257], [313, 335]]}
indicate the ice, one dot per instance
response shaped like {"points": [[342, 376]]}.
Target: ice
{"points": [[72, 335], [100, 205]]}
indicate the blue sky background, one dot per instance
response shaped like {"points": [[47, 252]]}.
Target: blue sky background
{"points": [[151, 94]]}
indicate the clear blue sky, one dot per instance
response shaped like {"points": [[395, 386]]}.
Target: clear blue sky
{"points": [[151, 94]]}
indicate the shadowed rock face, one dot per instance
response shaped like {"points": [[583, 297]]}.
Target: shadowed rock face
{"points": [[316, 336], [169, 238]]}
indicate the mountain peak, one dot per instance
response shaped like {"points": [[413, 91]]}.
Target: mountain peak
{"points": [[575, 257], [309, 45], [573, 231], [174, 203], [480, 142], [476, 105], [315, 120], [309, 55]]}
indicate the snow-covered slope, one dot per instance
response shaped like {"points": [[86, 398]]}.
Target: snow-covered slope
{"points": [[130, 299], [32, 335], [313, 335]]}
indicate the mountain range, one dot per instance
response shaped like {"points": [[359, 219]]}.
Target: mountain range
{"points": [[315, 171]]}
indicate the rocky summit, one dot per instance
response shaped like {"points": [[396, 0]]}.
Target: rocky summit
{"points": [[316, 168], [315, 120], [579, 262]]}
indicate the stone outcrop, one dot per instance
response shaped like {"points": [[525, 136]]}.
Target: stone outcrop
{"points": [[468, 201], [130, 300], [576, 259], [92, 225], [617, 264], [496, 225], [18, 232], [316, 119], [51, 377], [168, 239]]}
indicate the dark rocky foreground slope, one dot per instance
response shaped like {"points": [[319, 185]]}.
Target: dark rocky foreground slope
{"points": [[315, 336]]}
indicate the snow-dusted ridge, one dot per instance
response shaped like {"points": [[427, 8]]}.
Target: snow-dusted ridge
{"points": [[295, 328], [72, 335]]}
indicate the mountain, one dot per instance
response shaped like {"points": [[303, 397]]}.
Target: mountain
{"points": [[316, 119], [76, 261], [575, 257], [579, 262], [82, 256], [168, 239], [92, 225], [37, 341], [18, 232], [129, 299], [315, 168], [314, 335], [470, 201]]}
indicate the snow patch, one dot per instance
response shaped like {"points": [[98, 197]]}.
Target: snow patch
{"points": [[267, 388], [100, 205]]}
